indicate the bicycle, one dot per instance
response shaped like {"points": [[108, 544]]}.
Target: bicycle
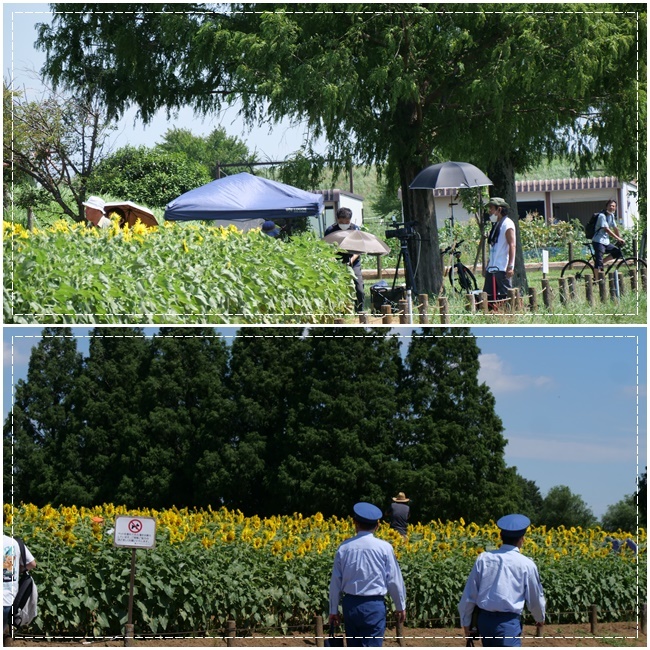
{"points": [[463, 280], [580, 268]]}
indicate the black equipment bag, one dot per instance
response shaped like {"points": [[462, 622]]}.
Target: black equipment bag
{"points": [[381, 294], [25, 587]]}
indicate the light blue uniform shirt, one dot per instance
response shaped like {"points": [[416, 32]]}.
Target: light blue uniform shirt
{"points": [[502, 581], [605, 220], [366, 566]]}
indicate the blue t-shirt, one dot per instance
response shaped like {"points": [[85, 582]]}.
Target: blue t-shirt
{"points": [[605, 220]]}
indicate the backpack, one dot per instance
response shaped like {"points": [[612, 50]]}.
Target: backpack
{"points": [[590, 227], [26, 589]]}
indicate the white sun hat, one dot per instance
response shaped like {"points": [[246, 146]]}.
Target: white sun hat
{"points": [[95, 202]]}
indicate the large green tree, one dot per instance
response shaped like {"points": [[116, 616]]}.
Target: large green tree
{"points": [[40, 439], [153, 177], [563, 508], [451, 437], [212, 150], [383, 85]]}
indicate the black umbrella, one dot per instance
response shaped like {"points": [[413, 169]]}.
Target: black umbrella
{"points": [[453, 175]]}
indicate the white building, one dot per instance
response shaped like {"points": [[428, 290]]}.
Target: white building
{"points": [[556, 200]]}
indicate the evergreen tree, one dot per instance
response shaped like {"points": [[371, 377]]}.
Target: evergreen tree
{"points": [[107, 400], [340, 441], [187, 411], [40, 438], [267, 365], [450, 436]]}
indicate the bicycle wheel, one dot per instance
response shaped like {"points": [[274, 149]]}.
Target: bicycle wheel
{"points": [[628, 264], [577, 268], [466, 282]]}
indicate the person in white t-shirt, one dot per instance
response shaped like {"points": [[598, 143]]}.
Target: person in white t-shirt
{"points": [[11, 570], [501, 266]]}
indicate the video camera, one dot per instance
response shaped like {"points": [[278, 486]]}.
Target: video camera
{"points": [[402, 230]]}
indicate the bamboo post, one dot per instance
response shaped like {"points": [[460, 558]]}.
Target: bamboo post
{"points": [[512, 300], [547, 293], [402, 308], [532, 299], [387, 314], [589, 290], [520, 302], [573, 293], [363, 318], [593, 618], [570, 251], [128, 635], [633, 279], [379, 269], [320, 638], [644, 278], [564, 291], [470, 305], [423, 300], [484, 302], [231, 633], [399, 633], [613, 287], [602, 285], [621, 284], [444, 310]]}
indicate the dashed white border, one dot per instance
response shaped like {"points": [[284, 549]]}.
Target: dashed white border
{"points": [[307, 333], [323, 315]]}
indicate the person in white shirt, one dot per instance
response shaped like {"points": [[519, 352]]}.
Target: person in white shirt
{"points": [[365, 570], [96, 212], [11, 570], [606, 228], [499, 584], [502, 240]]}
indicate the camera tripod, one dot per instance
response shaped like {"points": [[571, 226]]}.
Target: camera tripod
{"points": [[404, 255]]}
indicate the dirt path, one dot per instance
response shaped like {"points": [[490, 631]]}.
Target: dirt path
{"points": [[554, 636]]}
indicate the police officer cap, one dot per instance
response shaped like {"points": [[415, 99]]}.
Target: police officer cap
{"points": [[366, 513], [498, 202], [514, 525]]}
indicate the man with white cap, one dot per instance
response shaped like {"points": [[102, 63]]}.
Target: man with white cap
{"points": [[499, 584], [95, 212], [365, 570]]}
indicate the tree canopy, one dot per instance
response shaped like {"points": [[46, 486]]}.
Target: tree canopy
{"points": [[383, 85], [275, 422]]}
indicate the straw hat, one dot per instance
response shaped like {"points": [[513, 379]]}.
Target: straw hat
{"points": [[401, 498]]}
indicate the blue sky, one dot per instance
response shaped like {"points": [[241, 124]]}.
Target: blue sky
{"points": [[572, 400], [21, 60]]}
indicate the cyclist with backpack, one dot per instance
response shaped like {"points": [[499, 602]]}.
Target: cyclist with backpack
{"points": [[605, 228], [14, 562]]}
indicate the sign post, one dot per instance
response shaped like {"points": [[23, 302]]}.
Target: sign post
{"points": [[133, 533]]}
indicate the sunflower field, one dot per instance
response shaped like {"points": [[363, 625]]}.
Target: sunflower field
{"points": [[177, 274], [210, 566]]}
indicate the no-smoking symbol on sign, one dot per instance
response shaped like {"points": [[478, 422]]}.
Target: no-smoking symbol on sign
{"points": [[135, 526]]}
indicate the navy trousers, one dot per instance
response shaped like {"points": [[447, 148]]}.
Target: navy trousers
{"points": [[499, 629], [365, 621]]}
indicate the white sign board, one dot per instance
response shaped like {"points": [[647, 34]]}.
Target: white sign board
{"points": [[544, 261], [135, 532]]}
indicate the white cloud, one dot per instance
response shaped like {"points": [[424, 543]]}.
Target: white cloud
{"points": [[567, 450], [498, 376]]}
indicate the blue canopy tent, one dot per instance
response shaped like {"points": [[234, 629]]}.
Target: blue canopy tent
{"points": [[245, 201]]}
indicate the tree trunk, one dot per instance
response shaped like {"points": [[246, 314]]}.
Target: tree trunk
{"points": [[502, 174], [419, 207]]}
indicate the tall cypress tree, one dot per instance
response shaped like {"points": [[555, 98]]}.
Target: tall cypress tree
{"points": [[108, 402], [41, 433], [186, 412], [451, 437], [340, 431], [267, 366]]}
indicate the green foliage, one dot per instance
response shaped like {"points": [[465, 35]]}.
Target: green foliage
{"points": [[148, 176], [563, 508], [621, 515], [177, 275], [216, 147]]}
